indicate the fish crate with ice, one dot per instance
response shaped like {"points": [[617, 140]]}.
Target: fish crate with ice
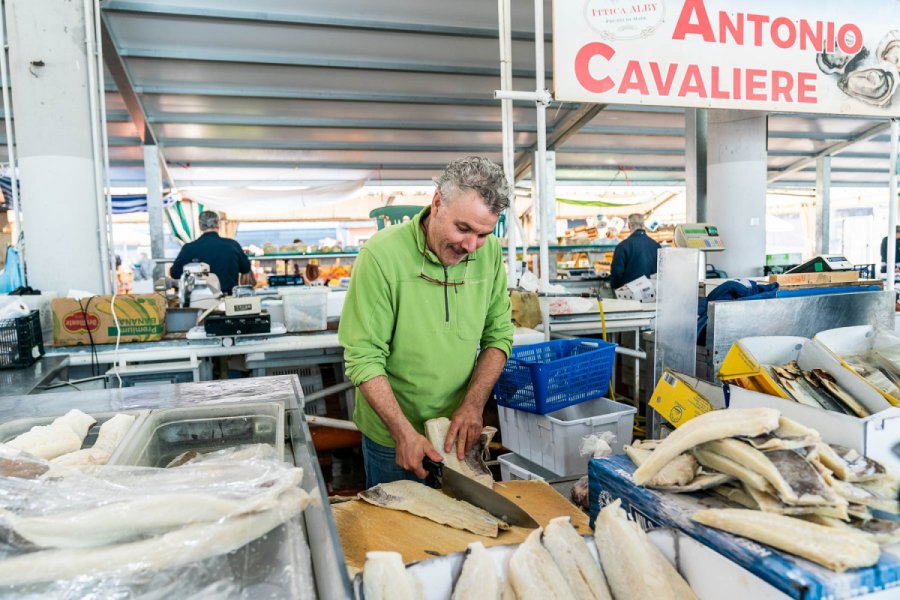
{"points": [[21, 341], [544, 377]]}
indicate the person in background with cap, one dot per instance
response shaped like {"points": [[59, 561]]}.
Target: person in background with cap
{"points": [[634, 257], [225, 257]]}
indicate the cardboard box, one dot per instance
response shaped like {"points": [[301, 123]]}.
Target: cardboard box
{"points": [[642, 289], [795, 577], [142, 318], [826, 277], [743, 365], [679, 398]]}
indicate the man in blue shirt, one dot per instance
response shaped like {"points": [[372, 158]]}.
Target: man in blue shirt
{"points": [[635, 256], [225, 257]]}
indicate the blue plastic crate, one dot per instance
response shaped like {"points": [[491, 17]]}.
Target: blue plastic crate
{"points": [[545, 377]]}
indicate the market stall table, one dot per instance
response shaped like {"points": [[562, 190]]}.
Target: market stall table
{"points": [[28, 380], [363, 527]]}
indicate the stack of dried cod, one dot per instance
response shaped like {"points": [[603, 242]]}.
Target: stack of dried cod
{"points": [[803, 496], [553, 563], [816, 388]]}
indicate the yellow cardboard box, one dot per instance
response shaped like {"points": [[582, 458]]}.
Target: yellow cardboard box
{"points": [[142, 318], [742, 367], [679, 398], [823, 278]]}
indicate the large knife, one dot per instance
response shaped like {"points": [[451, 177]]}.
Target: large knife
{"points": [[456, 485]]}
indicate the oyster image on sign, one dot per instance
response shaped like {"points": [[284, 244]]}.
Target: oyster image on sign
{"points": [[624, 19], [889, 48], [873, 84]]}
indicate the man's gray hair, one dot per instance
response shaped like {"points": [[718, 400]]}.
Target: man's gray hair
{"points": [[479, 174], [635, 221], [208, 219]]}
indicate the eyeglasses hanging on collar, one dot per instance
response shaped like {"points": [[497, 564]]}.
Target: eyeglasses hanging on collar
{"points": [[440, 281]]}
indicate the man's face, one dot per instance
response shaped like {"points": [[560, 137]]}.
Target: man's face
{"points": [[459, 226]]}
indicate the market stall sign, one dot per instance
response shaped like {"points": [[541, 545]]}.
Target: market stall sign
{"points": [[794, 56]]}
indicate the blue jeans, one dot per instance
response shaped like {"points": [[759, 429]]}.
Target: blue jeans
{"points": [[381, 464]]}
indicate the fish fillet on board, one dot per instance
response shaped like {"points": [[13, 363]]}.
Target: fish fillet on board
{"points": [[426, 502], [533, 572], [479, 579], [635, 568], [571, 554], [385, 578], [65, 434], [179, 547], [830, 547], [137, 517], [770, 503], [714, 425], [472, 465], [111, 434]]}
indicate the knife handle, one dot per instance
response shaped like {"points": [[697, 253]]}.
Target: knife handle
{"points": [[435, 472]]}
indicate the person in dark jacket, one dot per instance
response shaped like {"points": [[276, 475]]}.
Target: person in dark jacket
{"points": [[225, 257], [635, 256], [884, 245]]}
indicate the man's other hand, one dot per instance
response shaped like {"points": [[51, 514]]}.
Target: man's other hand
{"points": [[412, 449], [465, 429]]}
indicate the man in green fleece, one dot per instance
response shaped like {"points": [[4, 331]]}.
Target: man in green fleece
{"points": [[425, 296]]}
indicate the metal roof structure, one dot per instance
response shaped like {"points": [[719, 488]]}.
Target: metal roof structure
{"points": [[308, 92]]}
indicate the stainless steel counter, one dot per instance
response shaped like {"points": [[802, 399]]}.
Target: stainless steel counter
{"points": [[21, 382], [327, 556]]}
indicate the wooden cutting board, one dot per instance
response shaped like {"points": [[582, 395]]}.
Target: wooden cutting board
{"points": [[363, 527]]}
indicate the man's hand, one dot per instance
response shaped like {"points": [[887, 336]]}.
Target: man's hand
{"points": [[412, 449], [465, 429]]}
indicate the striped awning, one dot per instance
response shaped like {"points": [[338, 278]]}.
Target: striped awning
{"points": [[121, 204]]}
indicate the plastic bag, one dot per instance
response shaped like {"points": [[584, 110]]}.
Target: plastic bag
{"points": [[598, 445], [219, 526], [11, 276]]}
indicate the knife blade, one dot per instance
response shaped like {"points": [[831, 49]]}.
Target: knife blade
{"points": [[458, 486]]}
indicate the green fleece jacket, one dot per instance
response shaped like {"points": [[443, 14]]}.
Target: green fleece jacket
{"points": [[422, 335]]}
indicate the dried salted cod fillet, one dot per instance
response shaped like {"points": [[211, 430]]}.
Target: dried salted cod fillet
{"points": [[681, 470], [138, 517], [886, 487], [789, 428], [881, 531], [772, 504], [714, 425], [861, 496], [848, 464], [426, 502], [178, 547], [789, 435], [507, 592], [794, 479], [628, 556], [65, 434], [385, 578], [717, 462], [472, 465], [828, 383], [738, 495], [111, 434], [479, 579], [533, 573], [830, 547], [571, 554]]}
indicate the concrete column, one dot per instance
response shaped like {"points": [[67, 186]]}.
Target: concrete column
{"points": [[64, 226], [153, 176], [695, 132], [823, 205], [736, 180]]}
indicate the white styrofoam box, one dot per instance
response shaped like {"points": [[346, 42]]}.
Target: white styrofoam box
{"points": [[553, 441], [305, 308], [873, 436], [844, 342], [515, 468]]}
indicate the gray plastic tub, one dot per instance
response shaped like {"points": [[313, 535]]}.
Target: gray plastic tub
{"points": [[166, 433]]}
